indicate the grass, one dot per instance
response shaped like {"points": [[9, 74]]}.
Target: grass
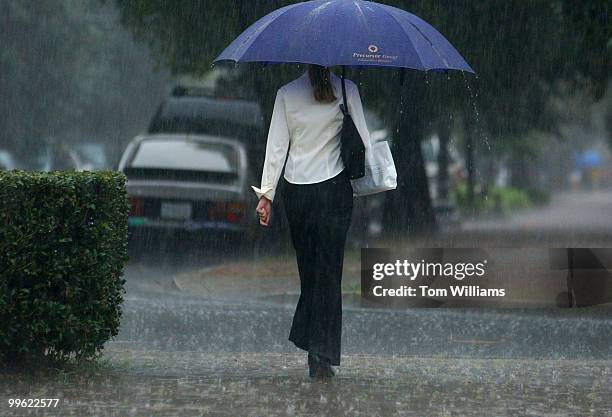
{"points": [[351, 288]]}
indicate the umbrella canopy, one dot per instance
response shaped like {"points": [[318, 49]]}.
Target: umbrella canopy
{"points": [[352, 33], [589, 158]]}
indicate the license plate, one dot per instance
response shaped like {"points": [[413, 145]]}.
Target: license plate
{"points": [[179, 211]]}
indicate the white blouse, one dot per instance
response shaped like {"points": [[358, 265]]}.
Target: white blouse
{"points": [[310, 130]]}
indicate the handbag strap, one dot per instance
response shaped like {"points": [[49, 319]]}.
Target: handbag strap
{"points": [[344, 106]]}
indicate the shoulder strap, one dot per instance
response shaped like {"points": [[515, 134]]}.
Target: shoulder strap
{"points": [[344, 106]]}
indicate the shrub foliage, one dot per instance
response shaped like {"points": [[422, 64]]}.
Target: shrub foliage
{"points": [[63, 245]]}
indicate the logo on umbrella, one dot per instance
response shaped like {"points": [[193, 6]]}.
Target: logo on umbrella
{"points": [[373, 56]]}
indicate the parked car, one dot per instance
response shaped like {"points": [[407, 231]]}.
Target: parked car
{"points": [[57, 156], [94, 156], [431, 149], [8, 161], [188, 182], [196, 110], [193, 168], [445, 208]]}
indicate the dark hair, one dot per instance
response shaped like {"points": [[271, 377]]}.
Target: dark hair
{"points": [[321, 83]]}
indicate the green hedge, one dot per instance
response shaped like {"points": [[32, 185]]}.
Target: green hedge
{"points": [[499, 200], [63, 245]]}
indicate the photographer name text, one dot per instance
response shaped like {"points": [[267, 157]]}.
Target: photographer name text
{"points": [[406, 270]]}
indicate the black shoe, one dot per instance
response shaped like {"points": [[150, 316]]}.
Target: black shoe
{"points": [[319, 366], [325, 371]]}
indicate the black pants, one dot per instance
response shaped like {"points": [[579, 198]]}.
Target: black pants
{"points": [[319, 216]]}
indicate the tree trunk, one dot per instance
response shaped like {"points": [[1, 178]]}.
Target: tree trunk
{"points": [[444, 132], [408, 209], [470, 162], [520, 170]]}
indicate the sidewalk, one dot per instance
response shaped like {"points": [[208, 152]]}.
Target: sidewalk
{"points": [[167, 384], [275, 279], [271, 278], [572, 219]]}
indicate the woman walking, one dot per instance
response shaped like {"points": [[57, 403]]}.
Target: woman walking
{"points": [[318, 199]]}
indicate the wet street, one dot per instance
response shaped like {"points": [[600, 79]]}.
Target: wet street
{"points": [[161, 383], [189, 357], [184, 353]]}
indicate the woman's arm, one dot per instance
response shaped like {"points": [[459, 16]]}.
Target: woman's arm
{"points": [[276, 150]]}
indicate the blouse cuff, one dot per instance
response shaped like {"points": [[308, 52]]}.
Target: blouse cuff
{"points": [[267, 192]]}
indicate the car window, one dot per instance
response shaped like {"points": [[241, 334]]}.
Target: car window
{"points": [[186, 155]]}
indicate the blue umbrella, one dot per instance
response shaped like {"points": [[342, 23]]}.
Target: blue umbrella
{"points": [[590, 158], [352, 33]]}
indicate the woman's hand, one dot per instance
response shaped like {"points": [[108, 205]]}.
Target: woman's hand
{"points": [[264, 208]]}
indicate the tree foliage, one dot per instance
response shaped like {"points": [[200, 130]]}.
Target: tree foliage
{"points": [[68, 73], [41, 42], [519, 49]]}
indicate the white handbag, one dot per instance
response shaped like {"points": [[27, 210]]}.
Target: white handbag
{"points": [[380, 174]]}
